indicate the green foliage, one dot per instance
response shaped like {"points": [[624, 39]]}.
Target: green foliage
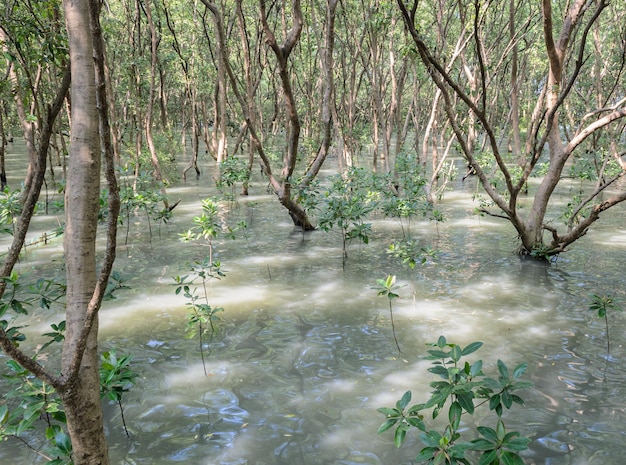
{"points": [[408, 199], [116, 283], [31, 401], [11, 303], [460, 384], [116, 378], [345, 205], [387, 288], [201, 316], [232, 171], [56, 335], [35, 402], [602, 304], [140, 195], [60, 446], [410, 253], [10, 209], [209, 226], [48, 291]]}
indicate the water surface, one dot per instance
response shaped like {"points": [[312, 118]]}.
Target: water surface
{"points": [[304, 354]]}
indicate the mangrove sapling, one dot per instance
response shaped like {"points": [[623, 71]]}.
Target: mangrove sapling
{"points": [[409, 253], [36, 402], [209, 226], [206, 225], [461, 383], [10, 209], [387, 287], [201, 315], [232, 171], [116, 378], [602, 304], [345, 205]]}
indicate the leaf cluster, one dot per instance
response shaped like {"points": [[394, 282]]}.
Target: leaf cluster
{"points": [[462, 387]]}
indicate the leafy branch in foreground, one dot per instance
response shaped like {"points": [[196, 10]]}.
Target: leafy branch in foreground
{"points": [[116, 378], [462, 384]]}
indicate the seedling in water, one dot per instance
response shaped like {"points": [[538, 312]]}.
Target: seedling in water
{"points": [[387, 287], [602, 304]]}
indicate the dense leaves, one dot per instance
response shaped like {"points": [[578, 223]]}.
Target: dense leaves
{"points": [[461, 384]]}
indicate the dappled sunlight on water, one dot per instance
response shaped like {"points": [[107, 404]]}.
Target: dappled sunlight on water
{"points": [[304, 353]]}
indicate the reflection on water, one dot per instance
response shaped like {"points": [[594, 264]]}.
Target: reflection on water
{"points": [[304, 354]]}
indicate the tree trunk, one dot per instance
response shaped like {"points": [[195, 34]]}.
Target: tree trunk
{"points": [[154, 42], [327, 95], [81, 397]]}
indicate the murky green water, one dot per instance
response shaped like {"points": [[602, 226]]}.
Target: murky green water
{"points": [[304, 354]]}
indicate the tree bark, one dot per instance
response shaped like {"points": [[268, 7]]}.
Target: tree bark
{"points": [[81, 394]]}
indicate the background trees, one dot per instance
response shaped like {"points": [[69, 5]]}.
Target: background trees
{"points": [[561, 120], [500, 79]]}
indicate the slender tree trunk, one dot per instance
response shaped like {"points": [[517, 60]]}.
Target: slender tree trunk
{"points": [[81, 398], [328, 93], [221, 120], [516, 146], [27, 126], [154, 43], [250, 86], [3, 142]]}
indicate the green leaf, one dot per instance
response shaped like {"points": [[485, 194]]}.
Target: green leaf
{"points": [[500, 430], [503, 370], [62, 441], [400, 435], [455, 353], [483, 444], [488, 433], [517, 443], [387, 425], [520, 370], [507, 400], [439, 370], [476, 368], [417, 423], [494, 401], [388, 412], [488, 457], [471, 348], [435, 354], [404, 401], [431, 438], [466, 401], [454, 415], [510, 458], [426, 453]]}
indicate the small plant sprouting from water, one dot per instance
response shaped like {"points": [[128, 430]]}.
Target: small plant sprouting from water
{"points": [[202, 316], [601, 304], [209, 226], [346, 204], [461, 384], [116, 378], [410, 254], [387, 287]]}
